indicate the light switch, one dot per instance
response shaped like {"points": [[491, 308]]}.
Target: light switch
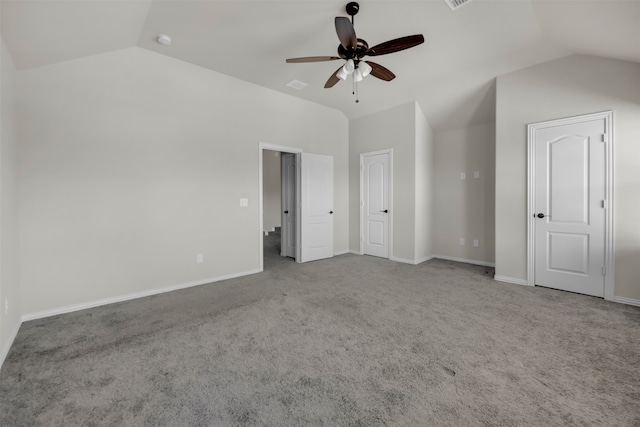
{"points": [[463, 175], [476, 175], [244, 203]]}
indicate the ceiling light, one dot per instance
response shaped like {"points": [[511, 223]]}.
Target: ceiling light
{"points": [[163, 39], [342, 74], [349, 66], [357, 75], [364, 68]]}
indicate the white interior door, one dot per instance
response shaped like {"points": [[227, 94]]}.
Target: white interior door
{"points": [[375, 204], [289, 210], [316, 207], [569, 215]]}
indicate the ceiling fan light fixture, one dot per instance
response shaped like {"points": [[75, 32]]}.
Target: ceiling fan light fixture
{"points": [[357, 75], [365, 69], [349, 66], [342, 74]]}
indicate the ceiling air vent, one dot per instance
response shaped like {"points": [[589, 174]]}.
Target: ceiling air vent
{"points": [[297, 84], [455, 4]]}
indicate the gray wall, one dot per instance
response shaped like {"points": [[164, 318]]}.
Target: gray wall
{"points": [[465, 208], [9, 285], [390, 129], [405, 130], [424, 187], [562, 88], [131, 163]]}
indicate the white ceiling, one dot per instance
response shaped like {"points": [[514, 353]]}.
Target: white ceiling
{"points": [[451, 75]]}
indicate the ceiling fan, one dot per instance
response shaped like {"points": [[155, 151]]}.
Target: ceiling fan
{"points": [[353, 50]]}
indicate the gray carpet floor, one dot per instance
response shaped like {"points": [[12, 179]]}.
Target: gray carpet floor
{"points": [[350, 341]]}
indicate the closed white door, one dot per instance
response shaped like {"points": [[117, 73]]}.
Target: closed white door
{"points": [[569, 206], [316, 208], [288, 237], [375, 204]]}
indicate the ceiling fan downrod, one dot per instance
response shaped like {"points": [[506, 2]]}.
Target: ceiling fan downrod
{"points": [[352, 9]]}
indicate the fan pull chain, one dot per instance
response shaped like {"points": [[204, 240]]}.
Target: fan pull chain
{"points": [[355, 88]]}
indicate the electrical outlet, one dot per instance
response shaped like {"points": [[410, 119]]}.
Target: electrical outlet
{"points": [[463, 175], [199, 258], [462, 241], [476, 175], [244, 203], [476, 244]]}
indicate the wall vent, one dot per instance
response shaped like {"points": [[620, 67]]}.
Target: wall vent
{"points": [[455, 4]]}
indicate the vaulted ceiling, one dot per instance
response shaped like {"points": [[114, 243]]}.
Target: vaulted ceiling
{"points": [[451, 75]]}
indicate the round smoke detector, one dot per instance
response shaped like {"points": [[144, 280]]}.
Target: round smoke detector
{"points": [[164, 39]]}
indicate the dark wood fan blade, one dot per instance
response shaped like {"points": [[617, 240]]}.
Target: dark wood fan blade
{"points": [[332, 80], [312, 59], [346, 33], [381, 72], [396, 45]]}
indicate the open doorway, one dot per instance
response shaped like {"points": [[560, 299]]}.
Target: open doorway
{"points": [[271, 204], [311, 183], [278, 214]]}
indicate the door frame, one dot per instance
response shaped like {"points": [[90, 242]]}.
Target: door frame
{"points": [[388, 151], [532, 128], [273, 147]]}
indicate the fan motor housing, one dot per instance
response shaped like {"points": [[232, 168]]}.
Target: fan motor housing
{"points": [[358, 53]]}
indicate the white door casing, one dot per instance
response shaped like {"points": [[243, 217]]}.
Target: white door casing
{"points": [[375, 203], [289, 205], [316, 207], [570, 204]]}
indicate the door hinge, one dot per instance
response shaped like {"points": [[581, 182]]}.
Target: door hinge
{"points": [[603, 138], [604, 270], [603, 204]]}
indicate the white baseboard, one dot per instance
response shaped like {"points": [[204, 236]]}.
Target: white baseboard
{"points": [[625, 300], [351, 251], [341, 252], [127, 297], [467, 261], [425, 259], [512, 280], [9, 343], [402, 260]]}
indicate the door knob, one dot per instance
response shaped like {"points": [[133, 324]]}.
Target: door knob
{"points": [[385, 211], [331, 212], [540, 215], [286, 212]]}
